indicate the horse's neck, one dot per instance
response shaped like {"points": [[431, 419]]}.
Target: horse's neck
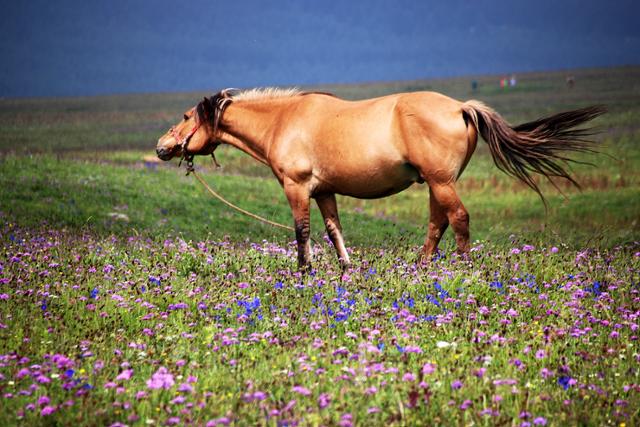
{"points": [[247, 125]]}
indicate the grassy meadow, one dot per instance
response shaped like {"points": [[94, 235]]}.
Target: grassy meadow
{"points": [[128, 296]]}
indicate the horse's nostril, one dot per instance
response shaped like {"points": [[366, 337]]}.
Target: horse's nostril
{"points": [[163, 153]]}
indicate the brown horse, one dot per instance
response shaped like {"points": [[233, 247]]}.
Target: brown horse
{"points": [[318, 146]]}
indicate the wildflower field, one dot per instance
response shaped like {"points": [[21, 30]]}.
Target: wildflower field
{"points": [[127, 297]]}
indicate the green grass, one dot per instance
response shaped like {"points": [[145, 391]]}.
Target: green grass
{"points": [[109, 264]]}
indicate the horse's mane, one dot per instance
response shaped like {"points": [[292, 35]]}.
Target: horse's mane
{"points": [[256, 94], [210, 110]]}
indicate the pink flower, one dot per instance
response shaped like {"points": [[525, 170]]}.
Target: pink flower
{"points": [[371, 390], [540, 354], [224, 421], [302, 390], [428, 368], [125, 375], [408, 377], [162, 378]]}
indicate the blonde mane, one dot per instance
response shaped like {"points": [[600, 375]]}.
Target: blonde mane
{"points": [[266, 93]]}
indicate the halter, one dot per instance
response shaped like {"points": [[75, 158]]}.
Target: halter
{"points": [[221, 103], [184, 141]]}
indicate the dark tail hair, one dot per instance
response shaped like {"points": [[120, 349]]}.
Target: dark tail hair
{"points": [[538, 146]]}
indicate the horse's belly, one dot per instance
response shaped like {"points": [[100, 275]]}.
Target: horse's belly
{"points": [[373, 184]]}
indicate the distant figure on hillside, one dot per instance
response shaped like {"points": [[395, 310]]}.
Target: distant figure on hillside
{"points": [[474, 85], [570, 81], [503, 82], [512, 81]]}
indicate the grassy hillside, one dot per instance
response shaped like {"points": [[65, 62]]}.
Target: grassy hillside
{"points": [[73, 162]]}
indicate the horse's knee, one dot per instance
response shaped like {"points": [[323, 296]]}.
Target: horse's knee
{"points": [[459, 218]]}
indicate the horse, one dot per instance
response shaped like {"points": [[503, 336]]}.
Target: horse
{"points": [[319, 145]]}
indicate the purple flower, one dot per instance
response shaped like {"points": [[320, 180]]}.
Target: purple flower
{"points": [[540, 354], [47, 410], [301, 390], [179, 400], [540, 421], [125, 375], [223, 421], [408, 377], [456, 385], [43, 400], [480, 372], [466, 404], [324, 400], [428, 368], [185, 388], [162, 378]]}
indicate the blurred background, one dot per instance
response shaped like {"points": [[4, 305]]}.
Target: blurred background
{"points": [[87, 88], [71, 47]]}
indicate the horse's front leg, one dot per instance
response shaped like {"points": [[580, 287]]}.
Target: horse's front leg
{"points": [[298, 197]]}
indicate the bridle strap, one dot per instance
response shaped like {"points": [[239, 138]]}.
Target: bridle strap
{"points": [[221, 104]]}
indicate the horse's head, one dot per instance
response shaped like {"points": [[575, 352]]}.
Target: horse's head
{"points": [[193, 135]]}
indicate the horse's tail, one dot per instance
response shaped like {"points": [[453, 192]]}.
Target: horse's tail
{"points": [[539, 146]]}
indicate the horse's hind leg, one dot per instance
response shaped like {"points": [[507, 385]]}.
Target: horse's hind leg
{"points": [[450, 204], [329, 210], [438, 222]]}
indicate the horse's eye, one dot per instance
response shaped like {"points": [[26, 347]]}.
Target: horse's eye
{"points": [[186, 117]]}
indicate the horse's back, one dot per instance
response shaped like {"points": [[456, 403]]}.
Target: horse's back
{"points": [[365, 148]]}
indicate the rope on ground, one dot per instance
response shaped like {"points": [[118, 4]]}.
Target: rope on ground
{"points": [[239, 209]]}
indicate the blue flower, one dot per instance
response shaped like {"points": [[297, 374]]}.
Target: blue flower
{"points": [[432, 299], [564, 381], [278, 285], [595, 289], [69, 373], [442, 293], [94, 293], [497, 285], [154, 280]]}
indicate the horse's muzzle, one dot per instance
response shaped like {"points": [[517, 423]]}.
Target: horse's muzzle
{"points": [[164, 154]]}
